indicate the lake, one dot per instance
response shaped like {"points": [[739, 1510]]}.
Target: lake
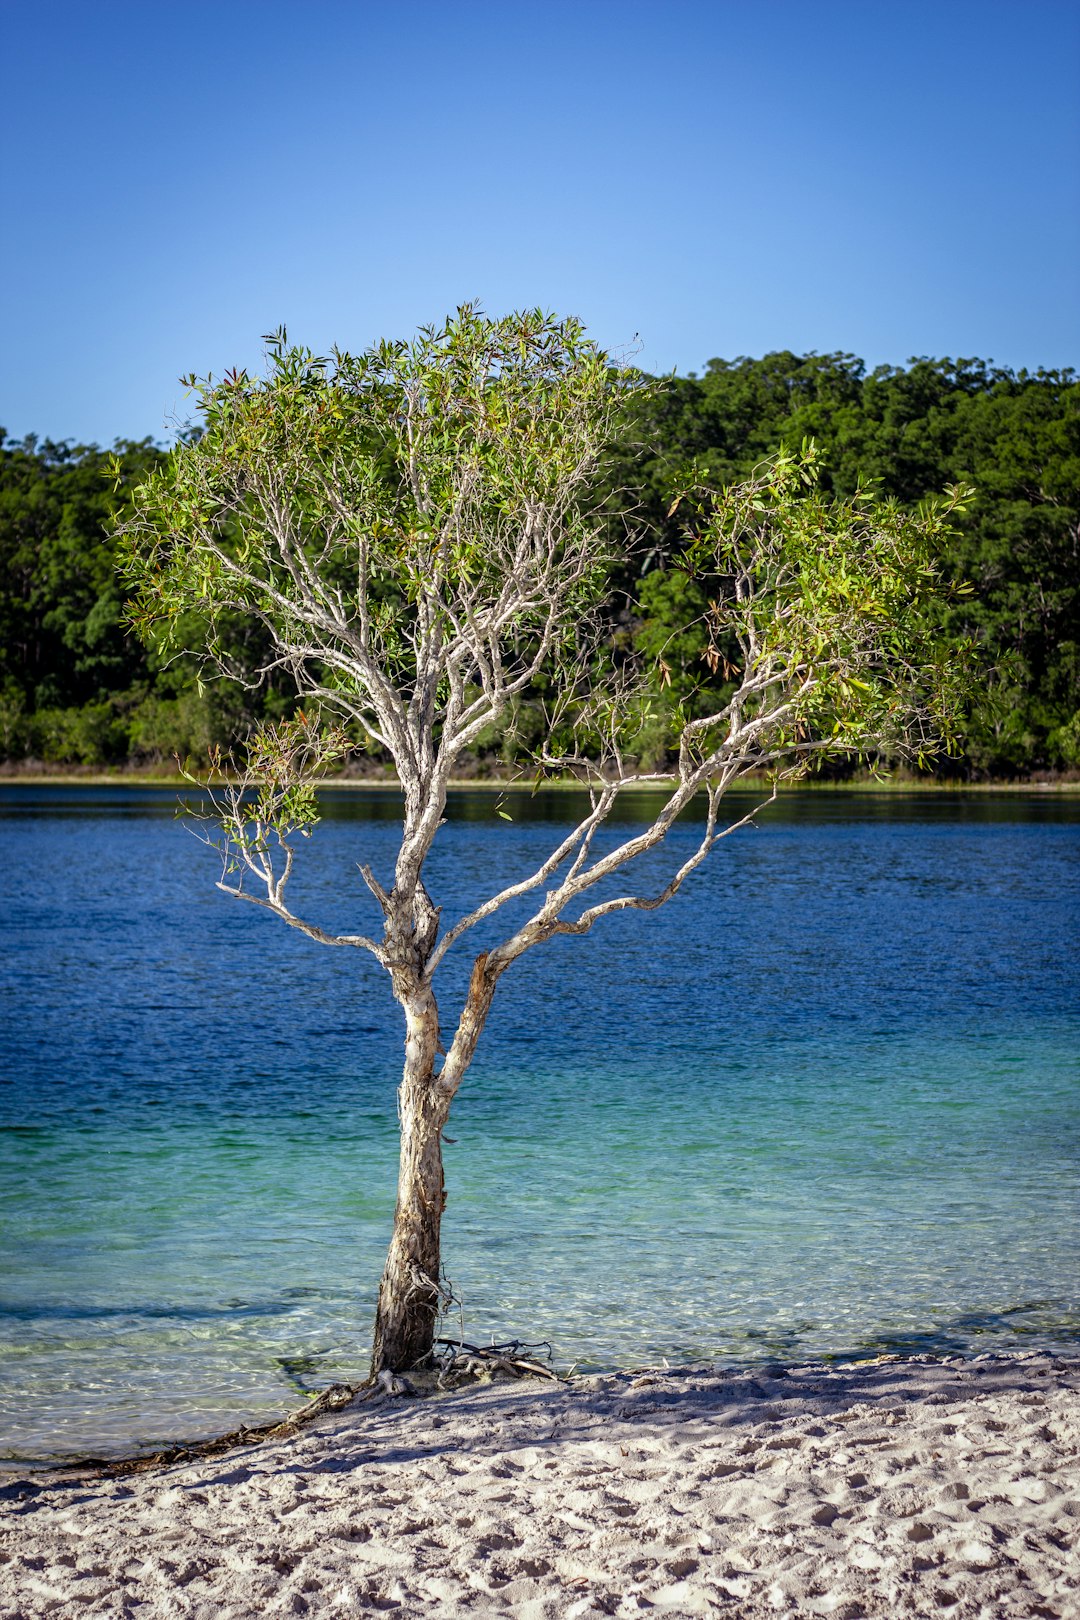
{"points": [[825, 1103]]}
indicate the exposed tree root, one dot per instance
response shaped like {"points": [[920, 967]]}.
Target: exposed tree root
{"points": [[457, 1364], [462, 1363], [329, 1400]]}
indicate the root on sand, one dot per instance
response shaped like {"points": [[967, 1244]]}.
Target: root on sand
{"points": [[457, 1364]]}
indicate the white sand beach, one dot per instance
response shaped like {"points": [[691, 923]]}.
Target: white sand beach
{"points": [[892, 1488]]}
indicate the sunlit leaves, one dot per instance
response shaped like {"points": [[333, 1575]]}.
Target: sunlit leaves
{"points": [[379, 498], [835, 606], [264, 796]]}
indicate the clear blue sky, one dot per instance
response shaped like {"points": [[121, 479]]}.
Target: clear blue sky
{"points": [[890, 179]]}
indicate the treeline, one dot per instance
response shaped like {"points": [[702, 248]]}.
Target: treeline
{"points": [[1014, 436], [76, 687]]}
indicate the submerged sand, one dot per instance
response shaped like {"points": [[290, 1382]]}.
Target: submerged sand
{"points": [[897, 1487]]}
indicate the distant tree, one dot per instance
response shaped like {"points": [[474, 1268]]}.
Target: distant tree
{"points": [[417, 532]]}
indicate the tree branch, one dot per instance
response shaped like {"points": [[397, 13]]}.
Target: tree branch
{"points": [[310, 929]]}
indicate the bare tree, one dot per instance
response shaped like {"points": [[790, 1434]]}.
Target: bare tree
{"points": [[419, 533]]}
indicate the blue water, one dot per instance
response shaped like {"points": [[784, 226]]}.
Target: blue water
{"points": [[825, 1103]]}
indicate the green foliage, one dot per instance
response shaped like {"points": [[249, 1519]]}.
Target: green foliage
{"points": [[75, 686], [64, 648], [1014, 436], [408, 463], [410, 528], [262, 798], [825, 615], [61, 640], [94, 734], [190, 726]]}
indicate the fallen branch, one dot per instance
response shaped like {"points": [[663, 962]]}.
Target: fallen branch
{"points": [[466, 1363]]}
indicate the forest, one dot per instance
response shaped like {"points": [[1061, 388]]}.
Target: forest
{"points": [[77, 688]]}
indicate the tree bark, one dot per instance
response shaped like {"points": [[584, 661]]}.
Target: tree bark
{"points": [[410, 1291]]}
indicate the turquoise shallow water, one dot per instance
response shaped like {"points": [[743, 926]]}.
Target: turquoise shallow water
{"points": [[828, 1102]]}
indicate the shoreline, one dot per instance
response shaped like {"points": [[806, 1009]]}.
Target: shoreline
{"points": [[902, 1486], [503, 784]]}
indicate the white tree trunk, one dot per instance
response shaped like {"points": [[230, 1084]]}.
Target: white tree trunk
{"points": [[410, 1291]]}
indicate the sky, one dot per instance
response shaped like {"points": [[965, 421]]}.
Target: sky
{"points": [[692, 179]]}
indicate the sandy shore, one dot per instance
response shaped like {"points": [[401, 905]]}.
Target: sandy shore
{"points": [[895, 1488]]}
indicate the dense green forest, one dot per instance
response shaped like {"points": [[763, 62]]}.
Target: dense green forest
{"points": [[75, 687]]}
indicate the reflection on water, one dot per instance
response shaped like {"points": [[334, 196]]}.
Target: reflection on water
{"points": [[824, 1103]]}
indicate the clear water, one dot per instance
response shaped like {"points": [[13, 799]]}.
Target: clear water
{"points": [[826, 1103]]}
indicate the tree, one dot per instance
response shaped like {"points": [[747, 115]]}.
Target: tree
{"points": [[418, 533]]}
